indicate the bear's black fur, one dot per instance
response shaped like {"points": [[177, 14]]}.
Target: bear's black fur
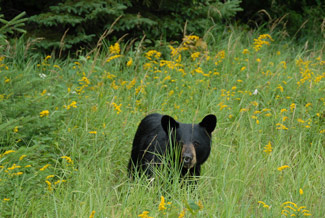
{"points": [[152, 141]]}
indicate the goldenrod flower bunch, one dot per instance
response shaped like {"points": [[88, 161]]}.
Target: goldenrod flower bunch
{"points": [[166, 208], [262, 40]]}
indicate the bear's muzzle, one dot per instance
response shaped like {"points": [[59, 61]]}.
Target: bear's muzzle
{"points": [[188, 156]]}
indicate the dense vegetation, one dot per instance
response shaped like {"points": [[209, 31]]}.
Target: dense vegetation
{"points": [[65, 26], [67, 124], [67, 127]]}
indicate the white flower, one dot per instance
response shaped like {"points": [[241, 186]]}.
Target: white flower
{"points": [[42, 75], [255, 92]]}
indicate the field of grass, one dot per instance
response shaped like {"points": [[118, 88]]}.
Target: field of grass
{"points": [[66, 129]]}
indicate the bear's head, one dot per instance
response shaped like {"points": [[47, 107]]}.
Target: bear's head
{"points": [[194, 140]]}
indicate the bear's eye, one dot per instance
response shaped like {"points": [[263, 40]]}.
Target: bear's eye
{"points": [[196, 144]]}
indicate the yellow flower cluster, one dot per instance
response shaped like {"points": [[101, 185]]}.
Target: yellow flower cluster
{"points": [[152, 53], [162, 204], [92, 215], [117, 107], [44, 113], [145, 214], [68, 159], [261, 40], [165, 208], [264, 204], [73, 104], [307, 74], [291, 209], [283, 167], [268, 148], [115, 49]]}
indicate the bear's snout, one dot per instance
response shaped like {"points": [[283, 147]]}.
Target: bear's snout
{"points": [[188, 156], [187, 159]]}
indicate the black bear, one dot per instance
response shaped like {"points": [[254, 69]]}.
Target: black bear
{"points": [[157, 133]]}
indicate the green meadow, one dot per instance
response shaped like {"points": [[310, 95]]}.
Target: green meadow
{"points": [[67, 125]]}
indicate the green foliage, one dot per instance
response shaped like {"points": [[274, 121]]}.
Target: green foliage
{"points": [[23, 97], [300, 19], [81, 20], [11, 26], [267, 94], [85, 20]]}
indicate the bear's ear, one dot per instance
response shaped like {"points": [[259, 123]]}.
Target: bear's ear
{"points": [[209, 123], [167, 122]]}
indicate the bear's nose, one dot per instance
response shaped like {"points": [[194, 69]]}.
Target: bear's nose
{"points": [[187, 159]]}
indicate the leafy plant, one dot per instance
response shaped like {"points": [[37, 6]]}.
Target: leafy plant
{"points": [[11, 26], [71, 24]]}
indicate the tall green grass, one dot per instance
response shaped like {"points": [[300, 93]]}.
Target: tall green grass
{"points": [[270, 109]]}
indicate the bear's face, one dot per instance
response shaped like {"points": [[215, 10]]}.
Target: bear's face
{"points": [[194, 139]]}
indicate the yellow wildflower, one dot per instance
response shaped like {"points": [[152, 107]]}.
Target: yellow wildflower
{"points": [[289, 202], [283, 110], [112, 58], [300, 120], [284, 118], [16, 129], [283, 167], [17, 174], [44, 113], [264, 204], [57, 66], [68, 159], [43, 92], [92, 215], [22, 156], [144, 214], [14, 166], [162, 204], [245, 51], [195, 55], [114, 86], [47, 57], [308, 105], [152, 53], [131, 84], [92, 132], [72, 104], [49, 176], [268, 148], [284, 64], [49, 185], [182, 214], [281, 126], [115, 49], [117, 107], [243, 110], [129, 63], [261, 40], [301, 192], [44, 167], [302, 207], [280, 87], [59, 181]]}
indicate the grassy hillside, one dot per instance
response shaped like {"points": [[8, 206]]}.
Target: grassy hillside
{"points": [[66, 129]]}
